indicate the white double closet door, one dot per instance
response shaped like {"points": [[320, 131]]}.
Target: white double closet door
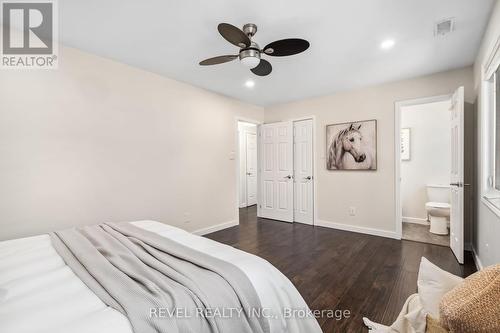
{"points": [[286, 171]]}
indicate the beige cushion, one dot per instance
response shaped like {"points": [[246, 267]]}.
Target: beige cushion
{"points": [[433, 283], [474, 305], [433, 326]]}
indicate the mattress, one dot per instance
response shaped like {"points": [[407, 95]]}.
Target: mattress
{"points": [[40, 293]]}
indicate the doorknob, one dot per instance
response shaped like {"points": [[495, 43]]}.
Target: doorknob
{"points": [[308, 178], [455, 184], [288, 177], [249, 173]]}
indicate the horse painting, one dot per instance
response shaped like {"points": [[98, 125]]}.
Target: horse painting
{"points": [[352, 146]]}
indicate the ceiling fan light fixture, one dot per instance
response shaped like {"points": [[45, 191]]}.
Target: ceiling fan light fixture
{"points": [[250, 58], [250, 62]]}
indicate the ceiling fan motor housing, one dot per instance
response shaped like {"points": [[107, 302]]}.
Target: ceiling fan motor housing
{"points": [[250, 56], [250, 29]]}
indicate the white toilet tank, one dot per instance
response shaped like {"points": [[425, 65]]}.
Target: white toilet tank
{"points": [[438, 193]]}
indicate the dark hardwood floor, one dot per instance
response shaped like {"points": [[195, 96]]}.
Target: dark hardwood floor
{"points": [[369, 276]]}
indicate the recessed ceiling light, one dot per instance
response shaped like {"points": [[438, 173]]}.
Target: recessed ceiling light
{"points": [[250, 83], [387, 44]]}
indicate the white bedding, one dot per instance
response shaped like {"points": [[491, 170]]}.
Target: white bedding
{"points": [[44, 295]]}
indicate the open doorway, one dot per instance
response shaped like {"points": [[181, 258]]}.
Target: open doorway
{"points": [[425, 168], [433, 200], [247, 138]]}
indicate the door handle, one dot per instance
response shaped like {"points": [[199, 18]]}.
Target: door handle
{"points": [[308, 178], [288, 177], [249, 173], [458, 184]]}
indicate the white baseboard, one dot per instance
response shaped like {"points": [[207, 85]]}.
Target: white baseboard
{"points": [[214, 228], [477, 261], [415, 220], [361, 230]]}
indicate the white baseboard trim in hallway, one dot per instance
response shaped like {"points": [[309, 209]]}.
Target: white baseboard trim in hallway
{"points": [[416, 220], [214, 228], [477, 261], [361, 230]]}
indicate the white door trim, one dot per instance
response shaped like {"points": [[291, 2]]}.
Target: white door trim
{"points": [[315, 165], [398, 214], [237, 119], [248, 167]]}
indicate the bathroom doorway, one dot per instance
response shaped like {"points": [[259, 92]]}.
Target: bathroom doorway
{"points": [[432, 197], [425, 168]]}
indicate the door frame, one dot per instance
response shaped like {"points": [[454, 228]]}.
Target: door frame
{"points": [[398, 215], [238, 119], [256, 170], [315, 165]]}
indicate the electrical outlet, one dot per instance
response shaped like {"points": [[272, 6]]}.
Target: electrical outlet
{"points": [[352, 211]]}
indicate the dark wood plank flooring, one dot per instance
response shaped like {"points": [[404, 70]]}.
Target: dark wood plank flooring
{"points": [[369, 276]]}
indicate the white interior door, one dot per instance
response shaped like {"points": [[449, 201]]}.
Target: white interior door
{"points": [[457, 175], [276, 171], [303, 171], [251, 168]]}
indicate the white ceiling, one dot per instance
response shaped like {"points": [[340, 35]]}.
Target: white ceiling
{"points": [[170, 37]]}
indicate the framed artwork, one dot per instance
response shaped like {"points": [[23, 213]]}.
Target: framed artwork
{"points": [[405, 144], [352, 146]]}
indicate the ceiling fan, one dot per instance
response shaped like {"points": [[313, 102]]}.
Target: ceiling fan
{"points": [[250, 52]]}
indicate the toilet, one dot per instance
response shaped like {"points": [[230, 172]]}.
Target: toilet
{"points": [[438, 208]]}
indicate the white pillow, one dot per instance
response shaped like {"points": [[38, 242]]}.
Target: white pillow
{"points": [[433, 283]]}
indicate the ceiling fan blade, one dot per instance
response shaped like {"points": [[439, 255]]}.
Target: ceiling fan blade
{"points": [[263, 68], [218, 60], [233, 35], [286, 47]]}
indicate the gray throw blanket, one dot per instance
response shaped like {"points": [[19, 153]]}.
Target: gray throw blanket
{"points": [[159, 284]]}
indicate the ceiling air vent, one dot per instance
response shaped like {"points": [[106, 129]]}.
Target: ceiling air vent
{"points": [[444, 27]]}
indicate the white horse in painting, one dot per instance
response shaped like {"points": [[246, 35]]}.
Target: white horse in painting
{"points": [[348, 151]]}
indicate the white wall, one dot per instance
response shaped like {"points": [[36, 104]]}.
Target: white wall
{"points": [[243, 129], [430, 161], [98, 141], [371, 192], [487, 224]]}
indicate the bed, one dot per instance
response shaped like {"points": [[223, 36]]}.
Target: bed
{"points": [[39, 292]]}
